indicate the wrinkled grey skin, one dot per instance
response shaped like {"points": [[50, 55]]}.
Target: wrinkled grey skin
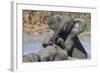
{"points": [[53, 53], [78, 28], [62, 25], [65, 34], [50, 53], [68, 45], [31, 58]]}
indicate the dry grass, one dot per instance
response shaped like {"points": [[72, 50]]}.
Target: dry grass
{"points": [[36, 21]]}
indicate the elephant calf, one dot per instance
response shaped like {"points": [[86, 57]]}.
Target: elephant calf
{"points": [[31, 58], [53, 53], [50, 53]]}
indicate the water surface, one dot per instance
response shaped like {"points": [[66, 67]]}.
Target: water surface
{"points": [[35, 47]]}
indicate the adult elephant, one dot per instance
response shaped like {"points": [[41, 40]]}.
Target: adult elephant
{"points": [[63, 26]]}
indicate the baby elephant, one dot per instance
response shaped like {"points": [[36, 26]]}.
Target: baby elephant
{"points": [[49, 53], [53, 53], [32, 57]]}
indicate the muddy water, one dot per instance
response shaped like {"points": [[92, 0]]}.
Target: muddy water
{"points": [[32, 44]]}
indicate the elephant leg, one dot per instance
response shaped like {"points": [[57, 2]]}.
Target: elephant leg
{"points": [[79, 47], [78, 54]]}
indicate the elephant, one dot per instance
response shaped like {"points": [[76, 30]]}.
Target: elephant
{"points": [[66, 31], [49, 53], [53, 53], [32, 57], [62, 26], [72, 42]]}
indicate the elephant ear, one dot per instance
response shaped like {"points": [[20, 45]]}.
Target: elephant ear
{"points": [[53, 22], [81, 23]]}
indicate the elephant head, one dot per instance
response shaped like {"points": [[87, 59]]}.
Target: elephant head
{"points": [[79, 26]]}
